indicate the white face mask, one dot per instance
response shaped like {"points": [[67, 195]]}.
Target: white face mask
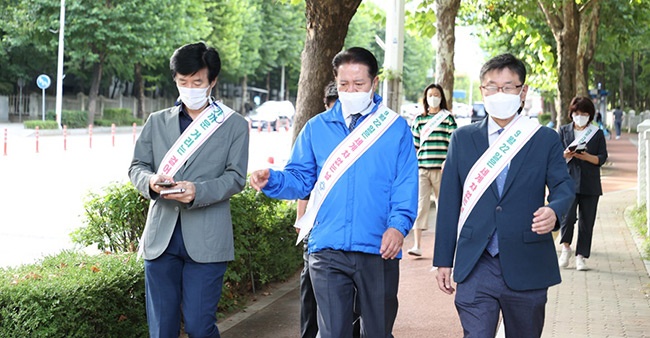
{"points": [[580, 120], [501, 105], [352, 103], [193, 98], [433, 101]]}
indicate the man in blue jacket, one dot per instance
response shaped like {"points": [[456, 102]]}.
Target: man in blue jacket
{"points": [[493, 225], [358, 162]]}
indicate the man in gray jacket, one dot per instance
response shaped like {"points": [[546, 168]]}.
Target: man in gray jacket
{"points": [[189, 160]]}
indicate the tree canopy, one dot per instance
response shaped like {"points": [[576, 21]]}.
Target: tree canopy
{"points": [[571, 45], [112, 44]]}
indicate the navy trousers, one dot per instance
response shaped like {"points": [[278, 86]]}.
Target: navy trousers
{"points": [[484, 294], [173, 282], [335, 275], [309, 309]]}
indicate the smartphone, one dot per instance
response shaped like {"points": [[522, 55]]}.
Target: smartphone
{"points": [[166, 184], [578, 148], [172, 191]]}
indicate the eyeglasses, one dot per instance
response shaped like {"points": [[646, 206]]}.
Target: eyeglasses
{"points": [[508, 89]]}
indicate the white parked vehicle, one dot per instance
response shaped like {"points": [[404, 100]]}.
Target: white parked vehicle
{"points": [[277, 114]]}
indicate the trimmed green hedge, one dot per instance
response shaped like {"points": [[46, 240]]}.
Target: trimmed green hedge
{"points": [[70, 118], [74, 295], [263, 232], [265, 249], [32, 124], [79, 119], [114, 219], [119, 116]]}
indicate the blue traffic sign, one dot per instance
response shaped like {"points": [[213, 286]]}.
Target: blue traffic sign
{"points": [[43, 81]]}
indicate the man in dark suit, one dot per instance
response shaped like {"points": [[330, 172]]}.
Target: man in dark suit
{"points": [[500, 243]]}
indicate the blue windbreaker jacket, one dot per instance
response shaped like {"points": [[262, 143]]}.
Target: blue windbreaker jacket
{"points": [[380, 190]]}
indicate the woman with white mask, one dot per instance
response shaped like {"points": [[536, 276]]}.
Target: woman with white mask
{"points": [[585, 152], [431, 134]]}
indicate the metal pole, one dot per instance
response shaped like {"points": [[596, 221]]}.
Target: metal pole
{"points": [[43, 106], [21, 84], [646, 136], [394, 54], [59, 66]]}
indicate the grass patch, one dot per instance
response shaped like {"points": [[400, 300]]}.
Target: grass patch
{"points": [[637, 219]]}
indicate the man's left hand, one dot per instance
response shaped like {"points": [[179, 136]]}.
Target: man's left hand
{"points": [[544, 220], [391, 243], [185, 197]]}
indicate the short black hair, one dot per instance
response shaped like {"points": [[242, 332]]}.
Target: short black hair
{"points": [[583, 104], [331, 94], [503, 61], [356, 55], [191, 58]]}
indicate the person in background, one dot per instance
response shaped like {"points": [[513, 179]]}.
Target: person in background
{"points": [[357, 160], [200, 148], [601, 125], [618, 121], [494, 227], [431, 133], [584, 167]]}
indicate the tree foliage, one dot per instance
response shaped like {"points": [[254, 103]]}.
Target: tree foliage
{"points": [[114, 47], [608, 39]]}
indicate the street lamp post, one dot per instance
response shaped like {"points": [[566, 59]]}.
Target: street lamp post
{"points": [[59, 68], [394, 55]]}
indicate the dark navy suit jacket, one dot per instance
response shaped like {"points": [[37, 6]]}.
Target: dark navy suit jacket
{"points": [[528, 260]]}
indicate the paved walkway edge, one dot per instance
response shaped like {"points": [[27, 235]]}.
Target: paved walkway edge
{"points": [[261, 302], [638, 238]]}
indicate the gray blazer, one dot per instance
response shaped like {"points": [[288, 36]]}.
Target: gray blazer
{"points": [[217, 169]]}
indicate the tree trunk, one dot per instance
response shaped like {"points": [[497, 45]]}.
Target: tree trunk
{"points": [[327, 26], [565, 27], [268, 86], [566, 52], [94, 91], [621, 80], [244, 95], [633, 76], [139, 90], [589, 22], [446, 11]]}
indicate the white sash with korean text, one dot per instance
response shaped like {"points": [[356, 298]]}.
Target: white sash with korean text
{"points": [[492, 162], [432, 124], [199, 131], [342, 158], [589, 132]]}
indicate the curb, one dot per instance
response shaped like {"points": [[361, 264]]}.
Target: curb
{"points": [[638, 239], [261, 301]]}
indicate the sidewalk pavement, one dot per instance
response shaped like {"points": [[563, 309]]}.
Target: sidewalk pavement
{"points": [[610, 300]]}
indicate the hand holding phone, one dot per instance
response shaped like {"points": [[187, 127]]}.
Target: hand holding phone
{"points": [[578, 148], [166, 184]]}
